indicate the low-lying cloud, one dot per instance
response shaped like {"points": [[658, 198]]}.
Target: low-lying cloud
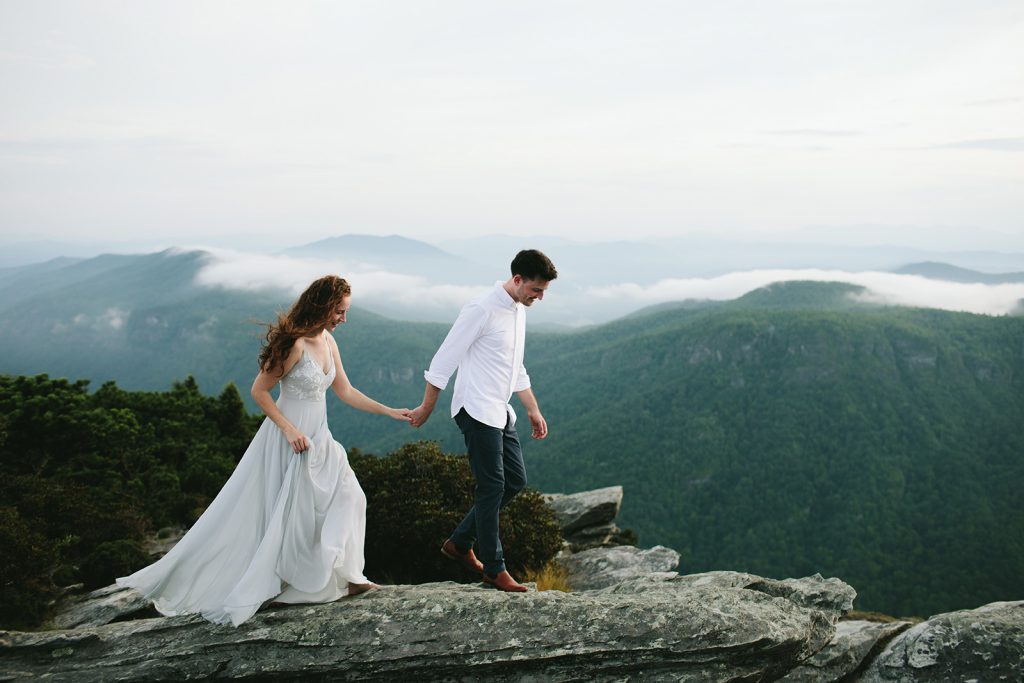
{"points": [[882, 288], [111, 319], [430, 299], [253, 272]]}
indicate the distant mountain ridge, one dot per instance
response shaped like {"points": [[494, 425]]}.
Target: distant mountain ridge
{"points": [[946, 271], [396, 254], [413, 280], [372, 245]]}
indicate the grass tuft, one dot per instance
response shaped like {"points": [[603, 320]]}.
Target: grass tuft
{"points": [[551, 577]]}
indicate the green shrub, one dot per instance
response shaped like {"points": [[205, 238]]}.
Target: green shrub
{"points": [[416, 497], [110, 560], [27, 560], [75, 519], [84, 476]]}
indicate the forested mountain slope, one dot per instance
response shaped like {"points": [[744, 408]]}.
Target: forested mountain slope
{"points": [[881, 445]]}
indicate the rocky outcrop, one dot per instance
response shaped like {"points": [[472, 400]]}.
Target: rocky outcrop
{"points": [[851, 646], [587, 517], [984, 644], [602, 567], [594, 555], [99, 607], [668, 630], [701, 627], [631, 617]]}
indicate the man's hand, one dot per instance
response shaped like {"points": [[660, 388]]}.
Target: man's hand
{"points": [[540, 425], [419, 415]]}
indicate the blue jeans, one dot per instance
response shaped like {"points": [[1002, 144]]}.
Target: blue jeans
{"points": [[496, 459]]}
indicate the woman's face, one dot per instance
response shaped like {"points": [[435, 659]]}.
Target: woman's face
{"points": [[337, 316]]}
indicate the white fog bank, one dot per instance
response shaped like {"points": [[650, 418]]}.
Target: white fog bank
{"points": [[882, 288]]}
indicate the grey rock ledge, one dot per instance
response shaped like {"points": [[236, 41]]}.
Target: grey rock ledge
{"points": [[674, 629]]}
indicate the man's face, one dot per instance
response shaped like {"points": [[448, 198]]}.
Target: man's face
{"points": [[528, 291]]}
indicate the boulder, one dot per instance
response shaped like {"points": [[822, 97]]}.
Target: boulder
{"points": [[813, 591], [600, 536], [577, 511], [852, 645], [99, 607], [602, 567], [983, 644], [668, 630]]}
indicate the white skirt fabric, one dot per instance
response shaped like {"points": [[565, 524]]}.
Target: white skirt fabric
{"points": [[286, 527]]}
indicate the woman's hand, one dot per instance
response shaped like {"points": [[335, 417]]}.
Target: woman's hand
{"points": [[400, 414], [297, 439]]}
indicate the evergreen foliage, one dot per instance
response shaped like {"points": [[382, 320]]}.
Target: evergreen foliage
{"points": [[84, 476], [416, 497]]}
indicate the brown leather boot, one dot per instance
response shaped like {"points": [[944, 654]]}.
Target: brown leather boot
{"points": [[466, 559], [504, 582]]}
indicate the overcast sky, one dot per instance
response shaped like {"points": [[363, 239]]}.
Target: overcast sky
{"points": [[199, 121]]}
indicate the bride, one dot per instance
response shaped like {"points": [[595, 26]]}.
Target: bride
{"points": [[288, 525]]}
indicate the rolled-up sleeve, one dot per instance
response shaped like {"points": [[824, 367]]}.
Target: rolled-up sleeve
{"points": [[522, 380], [464, 332]]}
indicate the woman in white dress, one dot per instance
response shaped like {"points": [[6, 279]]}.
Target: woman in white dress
{"points": [[288, 525]]}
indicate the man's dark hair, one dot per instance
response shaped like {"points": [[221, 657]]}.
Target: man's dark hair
{"points": [[533, 265]]}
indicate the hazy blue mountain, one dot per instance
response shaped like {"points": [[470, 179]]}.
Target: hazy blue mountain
{"points": [[949, 238], [12, 274], [946, 271], [412, 280], [371, 246], [648, 260], [397, 254], [102, 282], [583, 263], [37, 251]]}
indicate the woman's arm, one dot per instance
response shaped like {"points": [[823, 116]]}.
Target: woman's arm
{"points": [[355, 398], [267, 380]]}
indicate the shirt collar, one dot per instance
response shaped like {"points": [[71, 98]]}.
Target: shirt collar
{"points": [[503, 296]]}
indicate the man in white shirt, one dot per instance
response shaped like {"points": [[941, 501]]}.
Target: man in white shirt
{"points": [[486, 346]]}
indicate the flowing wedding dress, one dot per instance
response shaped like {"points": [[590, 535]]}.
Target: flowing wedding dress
{"points": [[286, 526]]}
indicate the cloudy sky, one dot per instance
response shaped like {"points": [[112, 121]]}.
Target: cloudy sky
{"points": [[290, 121]]}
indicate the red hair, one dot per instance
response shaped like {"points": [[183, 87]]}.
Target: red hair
{"points": [[310, 312]]}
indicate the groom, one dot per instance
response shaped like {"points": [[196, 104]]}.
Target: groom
{"points": [[486, 346]]}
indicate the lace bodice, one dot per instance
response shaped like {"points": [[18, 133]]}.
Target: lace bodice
{"points": [[306, 380]]}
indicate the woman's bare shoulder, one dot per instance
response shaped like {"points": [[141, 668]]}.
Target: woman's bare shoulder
{"points": [[294, 354]]}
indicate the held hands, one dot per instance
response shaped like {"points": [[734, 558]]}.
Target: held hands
{"points": [[540, 425], [419, 415], [400, 414]]}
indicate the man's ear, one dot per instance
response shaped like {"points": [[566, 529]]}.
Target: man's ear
{"points": [[518, 279]]}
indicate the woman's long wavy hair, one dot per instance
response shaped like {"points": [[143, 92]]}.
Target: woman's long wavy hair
{"points": [[310, 312]]}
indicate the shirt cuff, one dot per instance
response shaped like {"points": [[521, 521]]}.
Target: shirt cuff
{"points": [[439, 381]]}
